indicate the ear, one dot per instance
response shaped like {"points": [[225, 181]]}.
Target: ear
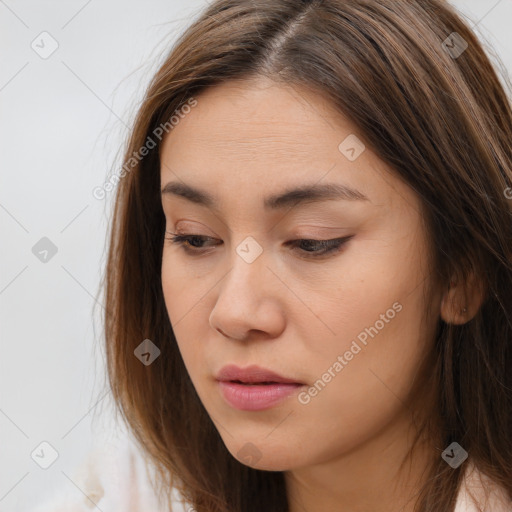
{"points": [[462, 300]]}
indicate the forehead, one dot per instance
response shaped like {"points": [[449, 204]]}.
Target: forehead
{"points": [[247, 136], [259, 118]]}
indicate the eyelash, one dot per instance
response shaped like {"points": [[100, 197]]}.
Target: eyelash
{"points": [[328, 246]]}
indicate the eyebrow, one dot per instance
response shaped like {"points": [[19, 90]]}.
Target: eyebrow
{"points": [[302, 194]]}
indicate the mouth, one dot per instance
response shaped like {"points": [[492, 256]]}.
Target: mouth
{"points": [[254, 388], [252, 383], [253, 375]]}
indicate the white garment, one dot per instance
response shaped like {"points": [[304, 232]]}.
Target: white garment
{"points": [[475, 484], [115, 479]]}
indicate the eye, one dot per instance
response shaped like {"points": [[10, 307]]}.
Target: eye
{"points": [[192, 244], [188, 242], [317, 248]]}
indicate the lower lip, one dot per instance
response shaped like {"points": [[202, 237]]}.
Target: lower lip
{"points": [[256, 397]]}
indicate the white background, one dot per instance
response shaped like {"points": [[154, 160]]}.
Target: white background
{"points": [[62, 122]]}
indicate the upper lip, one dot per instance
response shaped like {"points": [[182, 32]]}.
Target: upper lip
{"points": [[251, 374]]}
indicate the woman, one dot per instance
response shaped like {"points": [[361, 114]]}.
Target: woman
{"points": [[309, 281]]}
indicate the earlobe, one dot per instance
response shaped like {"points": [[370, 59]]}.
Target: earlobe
{"points": [[462, 300]]}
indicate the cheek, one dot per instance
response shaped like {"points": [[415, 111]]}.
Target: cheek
{"points": [[185, 301], [375, 316], [181, 288], [373, 280], [179, 299], [370, 385]]}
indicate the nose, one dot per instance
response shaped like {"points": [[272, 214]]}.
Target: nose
{"points": [[250, 300]]}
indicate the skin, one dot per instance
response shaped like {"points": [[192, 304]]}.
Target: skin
{"points": [[293, 314]]}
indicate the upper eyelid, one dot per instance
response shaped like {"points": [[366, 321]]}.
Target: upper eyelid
{"points": [[190, 231], [184, 236], [293, 239]]}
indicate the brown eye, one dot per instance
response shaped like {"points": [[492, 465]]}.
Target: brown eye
{"points": [[319, 247], [190, 243], [193, 244]]}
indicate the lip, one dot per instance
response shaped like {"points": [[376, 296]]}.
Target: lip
{"points": [[252, 374], [244, 388]]}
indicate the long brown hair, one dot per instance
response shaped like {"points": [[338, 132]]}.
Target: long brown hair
{"points": [[440, 118]]}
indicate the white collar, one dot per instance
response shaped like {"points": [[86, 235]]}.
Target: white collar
{"points": [[474, 488]]}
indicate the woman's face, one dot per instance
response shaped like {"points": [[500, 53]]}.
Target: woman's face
{"points": [[345, 324]]}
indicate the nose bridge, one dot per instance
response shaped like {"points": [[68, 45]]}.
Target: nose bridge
{"points": [[249, 250], [247, 299], [248, 269]]}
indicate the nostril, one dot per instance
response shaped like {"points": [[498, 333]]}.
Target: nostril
{"points": [[222, 332]]}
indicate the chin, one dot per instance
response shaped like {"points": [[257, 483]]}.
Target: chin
{"points": [[263, 455]]}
